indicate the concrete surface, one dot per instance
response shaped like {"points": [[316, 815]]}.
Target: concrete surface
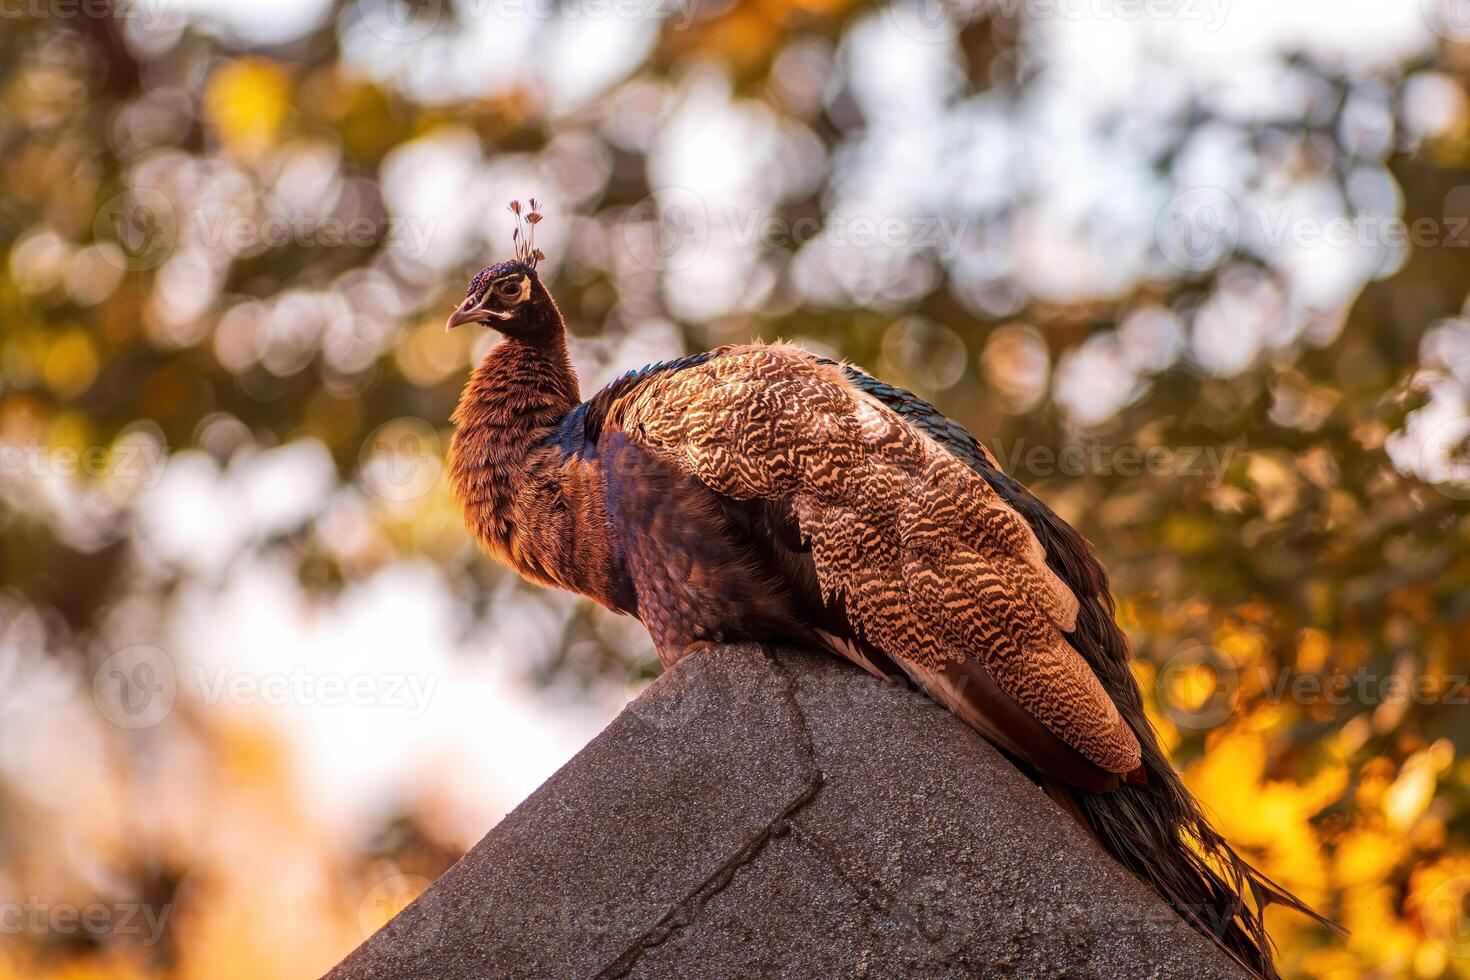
{"points": [[781, 814]]}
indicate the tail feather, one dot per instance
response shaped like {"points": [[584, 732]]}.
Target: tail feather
{"points": [[1130, 824], [1156, 829], [1153, 826]]}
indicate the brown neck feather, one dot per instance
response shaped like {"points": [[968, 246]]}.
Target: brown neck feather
{"points": [[519, 392]]}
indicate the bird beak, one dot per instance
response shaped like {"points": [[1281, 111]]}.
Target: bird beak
{"points": [[467, 313]]}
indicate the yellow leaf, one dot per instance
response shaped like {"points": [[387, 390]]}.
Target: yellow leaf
{"points": [[1411, 793], [71, 364], [245, 103]]}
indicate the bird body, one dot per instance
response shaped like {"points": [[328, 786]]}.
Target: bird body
{"points": [[761, 492], [643, 498]]}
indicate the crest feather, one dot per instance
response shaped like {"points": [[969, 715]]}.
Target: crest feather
{"points": [[524, 236]]}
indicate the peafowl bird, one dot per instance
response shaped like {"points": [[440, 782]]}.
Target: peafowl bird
{"points": [[764, 493]]}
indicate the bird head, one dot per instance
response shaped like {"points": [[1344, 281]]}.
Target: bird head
{"points": [[503, 296], [509, 296]]}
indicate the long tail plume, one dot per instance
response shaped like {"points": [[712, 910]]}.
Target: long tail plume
{"points": [[1157, 830]]}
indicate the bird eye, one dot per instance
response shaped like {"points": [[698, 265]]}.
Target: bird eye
{"points": [[509, 288]]}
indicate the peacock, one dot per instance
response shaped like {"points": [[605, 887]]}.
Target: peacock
{"points": [[761, 492]]}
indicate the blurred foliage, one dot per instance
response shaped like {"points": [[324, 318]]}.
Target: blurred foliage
{"points": [[218, 246]]}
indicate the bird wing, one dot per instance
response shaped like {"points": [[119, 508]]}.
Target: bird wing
{"points": [[1067, 552], [933, 567]]}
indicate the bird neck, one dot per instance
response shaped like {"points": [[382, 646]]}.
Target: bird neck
{"points": [[520, 383], [519, 392]]}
